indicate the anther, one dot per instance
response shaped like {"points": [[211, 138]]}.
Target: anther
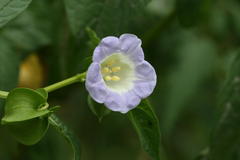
{"points": [[116, 69], [108, 78], [115, 78], [105, 70]]}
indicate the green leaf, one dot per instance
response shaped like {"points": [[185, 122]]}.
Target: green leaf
{"points": [[226, 136], [43, 92], [26, 115], [107, 17], [94, 39], [67, 134], [24, 104], [31, 29], [98, 109], [9, 9], [146, 124], [29, 132]]}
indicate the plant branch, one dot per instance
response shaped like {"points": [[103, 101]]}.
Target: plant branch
{"points": [[66, 82]]}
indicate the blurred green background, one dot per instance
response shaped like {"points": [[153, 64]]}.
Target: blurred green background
{"points": [[191, 44]]}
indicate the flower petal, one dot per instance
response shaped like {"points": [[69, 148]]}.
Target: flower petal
{"points": [[115, 102], [144, 89], [146, 79], [93, 73], [97, 91], [132, 100], [145, 71], [129, 42], [131, 46], [122, 102], [94, 83], [107, 46]]}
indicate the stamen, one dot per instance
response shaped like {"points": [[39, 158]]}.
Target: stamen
{"points": [[105, 70], [115, 78], [116, 69], [108, 78]]}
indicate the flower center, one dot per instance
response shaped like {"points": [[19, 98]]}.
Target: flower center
{"points": [[118, 72]]}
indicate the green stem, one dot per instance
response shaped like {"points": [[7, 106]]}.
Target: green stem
{"points": [[3, 94], [66, 82]]}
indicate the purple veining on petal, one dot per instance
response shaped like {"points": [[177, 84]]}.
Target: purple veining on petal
{"points": [[107, 46]]}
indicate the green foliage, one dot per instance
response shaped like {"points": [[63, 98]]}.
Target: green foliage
{"points": [[226, 138], [94, 39], [24, 104], [83, 13], [25, 115], [43, 93], [67, 134], [31, 29], [9, 9], [29, 132], [146, 124], [98, 110], [26, 33]]}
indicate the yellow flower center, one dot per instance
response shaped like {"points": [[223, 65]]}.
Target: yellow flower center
{"points": [[117, 72], [109, 73]]}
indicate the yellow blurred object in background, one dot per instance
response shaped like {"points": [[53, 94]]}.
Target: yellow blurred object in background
{"points": [[31, 73]]}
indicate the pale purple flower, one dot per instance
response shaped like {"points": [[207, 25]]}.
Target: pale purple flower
{"points": [[119, 76]]}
